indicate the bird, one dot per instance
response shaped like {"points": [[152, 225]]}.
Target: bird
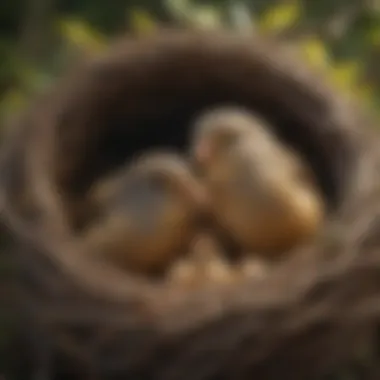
{"points": [[147, 213], [253, 267], [204, 263], [263, 194]]}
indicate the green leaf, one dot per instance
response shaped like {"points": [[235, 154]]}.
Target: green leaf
{"points": [[78, 33], [178, 8], [346, 75], [141, 21], [203, 16], [206, 17], [280, 17], [314, 52], [373, 35]]}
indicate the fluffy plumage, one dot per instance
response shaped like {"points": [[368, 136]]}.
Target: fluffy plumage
{"points": [[262, 193]]}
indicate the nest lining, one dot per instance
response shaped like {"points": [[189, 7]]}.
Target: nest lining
{"points": [[144, 93]]}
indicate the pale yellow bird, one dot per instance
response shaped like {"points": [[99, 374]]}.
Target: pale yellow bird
{"points": [[261, 192], [205, 263]]}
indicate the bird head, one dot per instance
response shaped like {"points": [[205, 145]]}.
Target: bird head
{"points": [[218, 130], [169, 172]]}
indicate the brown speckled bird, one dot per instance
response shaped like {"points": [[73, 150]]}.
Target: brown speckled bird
{"points": [[263, 194], [148, 213]]}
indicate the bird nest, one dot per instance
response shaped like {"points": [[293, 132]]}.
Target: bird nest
{"points": [[87, 320]]}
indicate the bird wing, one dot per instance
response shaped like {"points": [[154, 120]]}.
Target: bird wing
{"points": [[141, 203]]}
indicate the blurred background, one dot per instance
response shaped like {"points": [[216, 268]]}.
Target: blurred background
{"points": [[39, 39]]}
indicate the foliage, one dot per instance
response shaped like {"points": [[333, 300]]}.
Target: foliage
{"points": [[79, 34], [280, 17], [346, 74], [79, 37], [141, 21]]}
